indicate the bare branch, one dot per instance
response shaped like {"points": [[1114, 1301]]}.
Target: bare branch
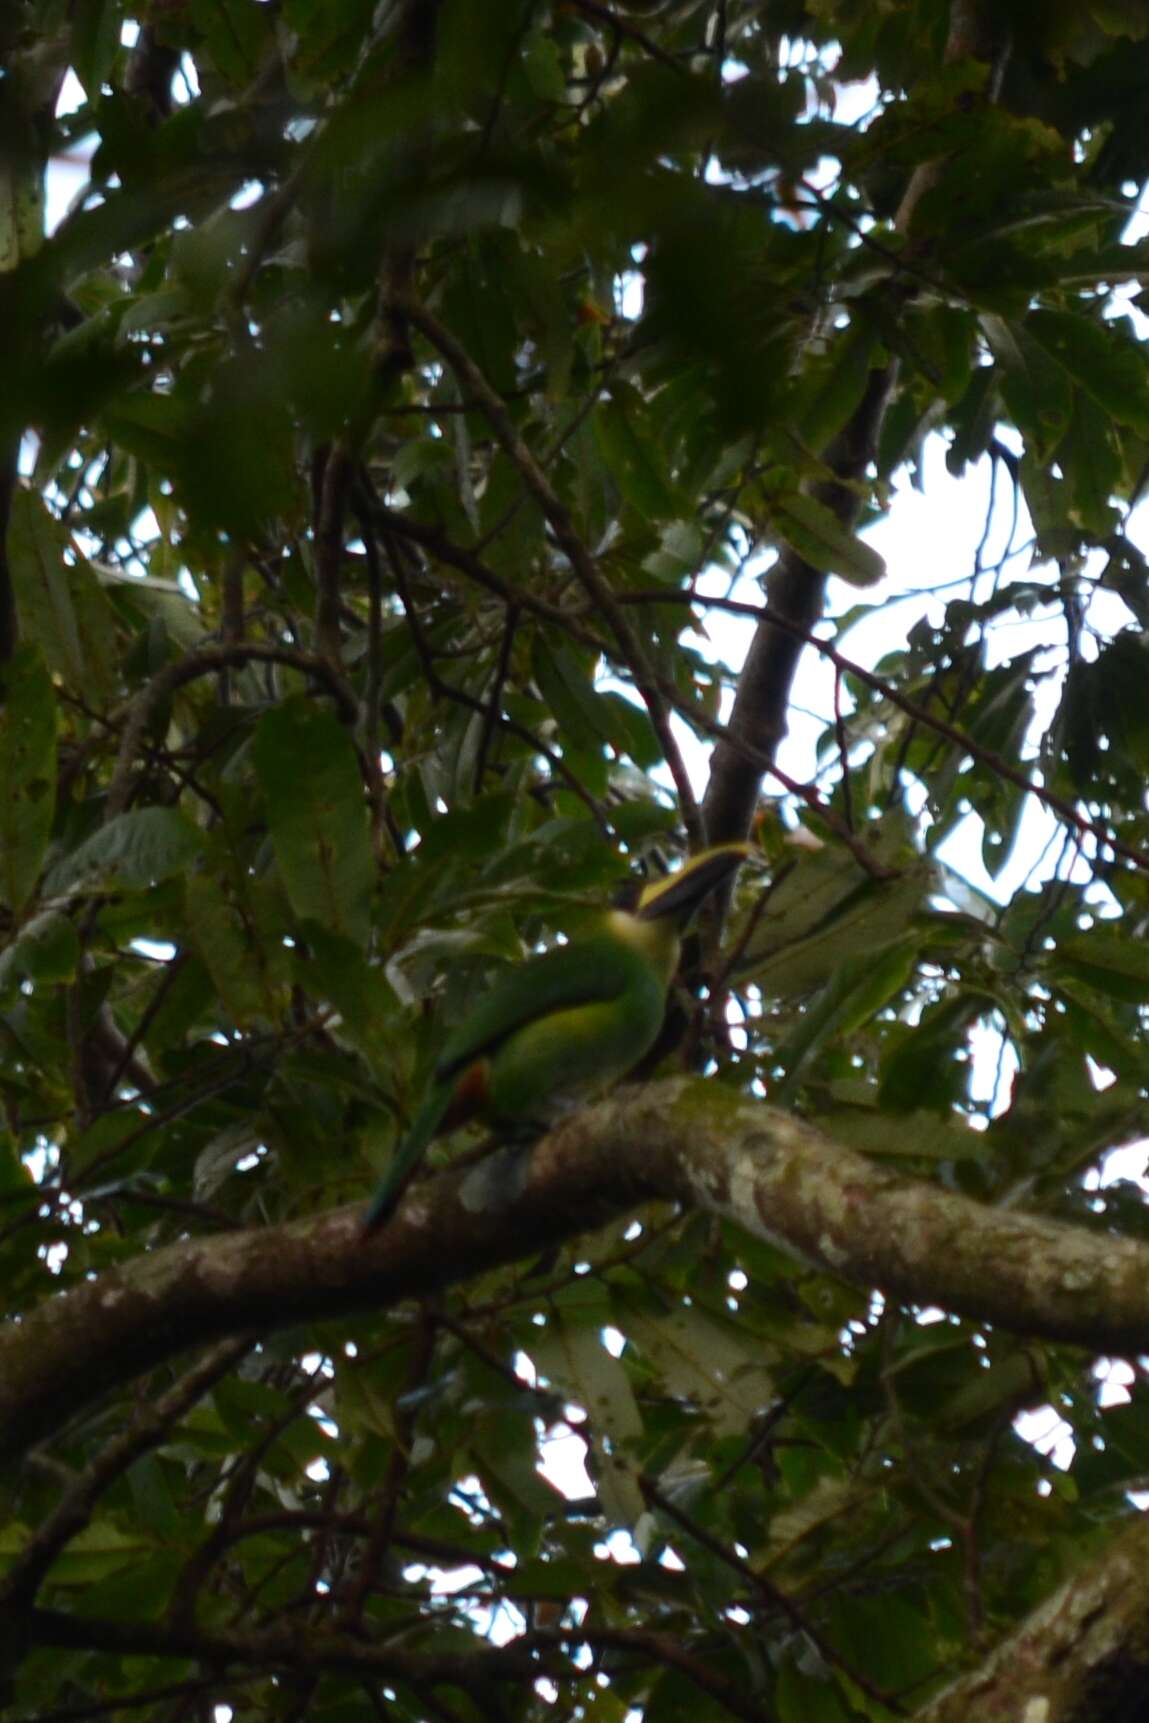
{"points": [[205, 662], [572, 546]]}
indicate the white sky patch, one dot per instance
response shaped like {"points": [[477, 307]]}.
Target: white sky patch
{"points": [[524, 1369], [448, 1581], [619, 1547], [1046, 1430], [1128, 1162], [1115, 1378], [993, 1066], [160, 951], [562, 1462]]}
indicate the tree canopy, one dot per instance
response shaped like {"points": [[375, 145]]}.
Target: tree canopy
{"points": [[416, 407]]}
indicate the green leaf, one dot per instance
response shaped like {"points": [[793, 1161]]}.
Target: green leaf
{"points": [[1111, 962], [566, 686], [634, 462], [234, 33], [1091, 457], [226, 944], [940, 342], [809, 1697], [824, 911], [1094, 1033], [134, 849], [831, 388], [1103, 360], [921, 1135], [308, 771], [859, 987], [15, 1179], [631, 731], [543, 67], [715, 1366], [27, 773], [45, 949], [40, 581], [504, 1446], [809, 528], [336, 969], [923, 1070], [218, 1160], [1034, 386], [97, 1550], [571, 1353], [96, 628], [94, 39]]}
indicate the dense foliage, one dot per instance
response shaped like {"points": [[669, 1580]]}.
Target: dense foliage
{"points": [[377, 428]]}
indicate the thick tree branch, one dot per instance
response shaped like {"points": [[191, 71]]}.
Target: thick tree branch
{"points": [[684, 1140], [1081, 1657], [534, 1653], [286, 1646], [795, 592]]}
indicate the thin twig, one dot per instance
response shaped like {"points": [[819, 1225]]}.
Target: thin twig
{"points": [[843, 752], [623, 27], [495, 699], [921, 714], [334, 489], [439, 547], [765, 1589], [373, 694], [205, 662], [572, 546], [447, 690], [366, 1575], [146, 1431]]}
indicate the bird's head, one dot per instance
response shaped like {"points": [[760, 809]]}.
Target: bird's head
{"points": [[680, 895]]}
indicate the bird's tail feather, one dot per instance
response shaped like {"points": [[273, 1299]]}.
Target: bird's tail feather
{"points": [[407, 1157]]}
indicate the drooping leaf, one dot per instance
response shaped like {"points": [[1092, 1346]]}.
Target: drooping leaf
{"points": [[27, 773], [572, 1353], [309, 775], [133, 850], [41, 584], [809, 527]]}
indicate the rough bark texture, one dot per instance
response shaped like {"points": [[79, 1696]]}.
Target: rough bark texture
{"points": [[685, 1140], [796, 592], [1082, 1657]]}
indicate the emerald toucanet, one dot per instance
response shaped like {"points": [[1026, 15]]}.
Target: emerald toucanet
{"points": [[563, 1025]]}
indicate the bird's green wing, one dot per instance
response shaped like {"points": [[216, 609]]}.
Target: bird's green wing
{"points": [[595, 969]]}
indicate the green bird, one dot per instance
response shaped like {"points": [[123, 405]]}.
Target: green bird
{"points": [[563, 1025]]}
